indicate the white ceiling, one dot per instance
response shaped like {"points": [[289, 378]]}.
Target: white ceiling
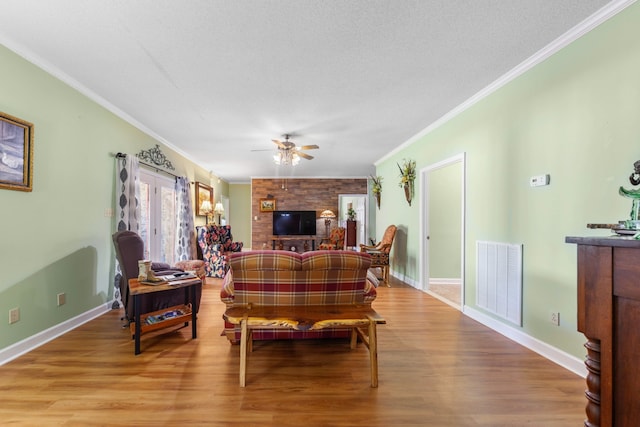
{"points": [[217, 79]]}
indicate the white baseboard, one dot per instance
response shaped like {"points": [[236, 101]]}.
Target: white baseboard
{"points": [[22, 347], [444, 281], [554, 354]]}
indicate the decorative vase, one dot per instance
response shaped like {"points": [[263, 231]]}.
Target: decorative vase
{"points": [[378, 199], [408, 192]]}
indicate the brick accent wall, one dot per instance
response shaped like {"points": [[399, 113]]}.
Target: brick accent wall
{"points": [[297, 194]]}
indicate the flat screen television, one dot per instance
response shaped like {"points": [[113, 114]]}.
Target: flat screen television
{"points": [[294, 223]]}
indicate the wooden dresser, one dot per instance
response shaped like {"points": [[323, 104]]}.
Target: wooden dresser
{"points": [[609, 316]]}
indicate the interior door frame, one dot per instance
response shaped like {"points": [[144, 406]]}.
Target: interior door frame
{"points": [[364, 221], [424, 223]]}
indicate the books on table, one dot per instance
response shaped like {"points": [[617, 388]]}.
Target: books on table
{"points": [[169, 278]]}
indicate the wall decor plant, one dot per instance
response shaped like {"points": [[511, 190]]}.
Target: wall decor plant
{"points": [[407, 178], [376, 188]]}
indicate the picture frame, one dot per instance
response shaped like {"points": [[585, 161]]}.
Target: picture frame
{"points": [[16, 153], [203, 192], [267, 205]]}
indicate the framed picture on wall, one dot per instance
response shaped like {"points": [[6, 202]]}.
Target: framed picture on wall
{"points": [[204, 193], [267, 205], [16, 153]]}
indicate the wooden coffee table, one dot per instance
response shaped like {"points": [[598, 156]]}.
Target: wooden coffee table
{"points": [[304, 318], [139, 325]]}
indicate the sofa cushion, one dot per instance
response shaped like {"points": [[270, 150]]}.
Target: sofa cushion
{"points": [[371, 278], [280, 287], [266, 260], [333, 260], [227, 293]]}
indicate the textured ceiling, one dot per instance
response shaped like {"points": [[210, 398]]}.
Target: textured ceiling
{"points": [[217, 79]]}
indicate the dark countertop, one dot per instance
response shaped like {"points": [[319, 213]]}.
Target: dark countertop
{"points": [[615, 241]]}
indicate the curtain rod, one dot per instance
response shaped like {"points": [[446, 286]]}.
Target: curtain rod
{"points": [[124, 155]]}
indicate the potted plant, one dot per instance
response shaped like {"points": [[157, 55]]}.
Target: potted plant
{"points": [[351, 214], [407, 178]]}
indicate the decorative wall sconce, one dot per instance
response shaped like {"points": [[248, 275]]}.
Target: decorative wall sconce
{"points": [[376, 188], [407, 178]]}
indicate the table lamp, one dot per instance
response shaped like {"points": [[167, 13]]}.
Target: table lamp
{"points": [[327, 215], [206, 209], [219, 209]]}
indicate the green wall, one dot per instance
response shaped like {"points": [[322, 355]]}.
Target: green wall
{"points": [[57, 238], [240, 206], [575, 117], [445, 218]]}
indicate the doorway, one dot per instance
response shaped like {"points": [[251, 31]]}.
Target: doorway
{"points": [[442, 236], [359, 204]]}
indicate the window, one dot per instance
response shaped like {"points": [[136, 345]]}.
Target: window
{"points": [[158, 216]]}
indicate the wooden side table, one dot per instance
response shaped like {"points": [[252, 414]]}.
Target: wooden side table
{"points": [[304, 318], [139, 326]]}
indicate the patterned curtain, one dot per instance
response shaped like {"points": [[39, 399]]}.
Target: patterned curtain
{"points": [[127, 207], [185, 239]]}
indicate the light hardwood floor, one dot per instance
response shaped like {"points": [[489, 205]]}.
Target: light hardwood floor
{"points": [[436, 368]]}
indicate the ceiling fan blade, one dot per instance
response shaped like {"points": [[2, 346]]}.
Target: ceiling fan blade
{"points": [[279, 143], [309, 147], [304, 155], [264, 149]]}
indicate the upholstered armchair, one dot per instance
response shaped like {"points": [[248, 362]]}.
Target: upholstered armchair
{"points": [[380, 252], [214, 242], [334, 241]]}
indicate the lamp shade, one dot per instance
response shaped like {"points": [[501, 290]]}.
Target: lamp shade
{"points": [[219, 209], [206, 208], [327, 214]]}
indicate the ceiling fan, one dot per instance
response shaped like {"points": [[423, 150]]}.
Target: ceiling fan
{"points": [[289, 154]]}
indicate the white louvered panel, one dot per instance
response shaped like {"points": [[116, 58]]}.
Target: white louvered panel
{"points": [[499, 279]]}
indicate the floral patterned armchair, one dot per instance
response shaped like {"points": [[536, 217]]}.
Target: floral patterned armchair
{"points": [[334, 241], [215, 241]]}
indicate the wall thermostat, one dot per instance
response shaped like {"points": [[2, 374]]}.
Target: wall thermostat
{"points": [[539, 180]]}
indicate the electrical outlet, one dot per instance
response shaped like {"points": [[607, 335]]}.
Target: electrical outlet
{"points": [[14, 315], [61, 299], [555, 318]]}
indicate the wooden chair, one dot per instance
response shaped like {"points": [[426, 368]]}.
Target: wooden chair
{"points": [[380, 252]]}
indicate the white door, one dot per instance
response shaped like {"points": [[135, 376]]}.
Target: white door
{"points": [[158, 216]]}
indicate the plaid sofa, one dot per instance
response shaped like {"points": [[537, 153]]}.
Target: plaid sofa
{"points": [[288, 278]]}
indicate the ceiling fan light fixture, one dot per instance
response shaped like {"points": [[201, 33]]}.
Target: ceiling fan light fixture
{"points": [[289, 154], [286, 157]]}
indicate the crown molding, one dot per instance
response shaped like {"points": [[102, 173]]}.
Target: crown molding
{"points": [[595, 20]]}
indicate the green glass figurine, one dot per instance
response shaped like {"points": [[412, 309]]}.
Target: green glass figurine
{"points": [[634, 221]]}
